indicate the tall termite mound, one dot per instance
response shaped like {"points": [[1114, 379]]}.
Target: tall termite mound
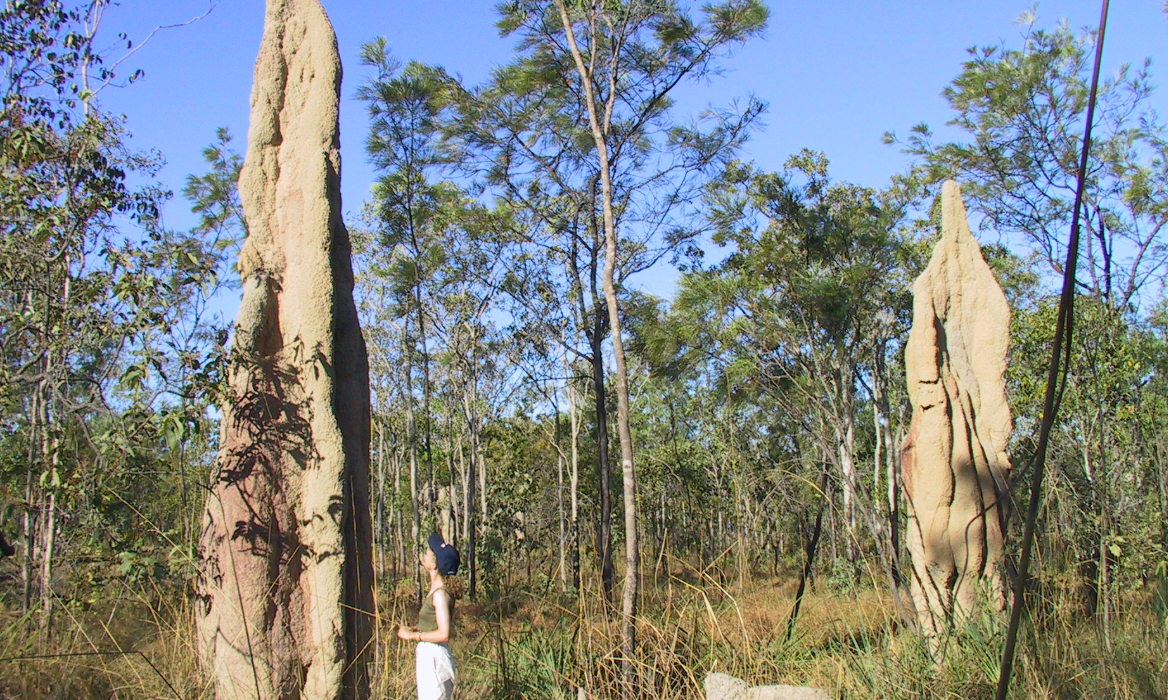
{"points": [[954, 460], [285, 593]]}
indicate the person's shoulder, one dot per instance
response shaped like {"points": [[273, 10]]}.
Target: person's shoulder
{"points": [[443, 595]]}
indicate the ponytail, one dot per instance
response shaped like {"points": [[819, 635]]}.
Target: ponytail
{"points": [[454, 585]]}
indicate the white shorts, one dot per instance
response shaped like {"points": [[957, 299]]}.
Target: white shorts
{"points": [[435, 669]]}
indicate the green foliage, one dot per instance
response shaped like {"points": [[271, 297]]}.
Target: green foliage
{"points": [[214, 195], [1023, 113], [108, 353], [829, 253]]}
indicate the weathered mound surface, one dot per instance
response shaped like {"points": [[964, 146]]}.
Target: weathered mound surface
{"points": [[285, 590], [954, 460]]}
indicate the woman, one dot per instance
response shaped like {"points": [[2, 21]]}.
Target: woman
{"points": [[435, 665]]}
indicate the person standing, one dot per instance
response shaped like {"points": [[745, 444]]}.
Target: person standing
{"points": [[435, 665]]}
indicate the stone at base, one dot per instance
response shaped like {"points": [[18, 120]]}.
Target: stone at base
{"points": [[720, 686]]}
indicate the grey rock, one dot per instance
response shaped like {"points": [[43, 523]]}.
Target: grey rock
{"points": [[720, 686], [786, 692]]}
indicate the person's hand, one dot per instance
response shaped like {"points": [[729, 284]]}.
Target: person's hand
{"points": [[406, 633]]}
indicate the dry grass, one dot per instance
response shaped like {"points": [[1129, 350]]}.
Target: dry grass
{"points": [[138, 642], [547, 646], [135, 644]]}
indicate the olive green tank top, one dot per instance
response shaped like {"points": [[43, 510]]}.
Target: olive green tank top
{"points": [[427, 615]]}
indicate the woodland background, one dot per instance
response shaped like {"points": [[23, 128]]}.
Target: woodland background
{"points": [[766, 401]]}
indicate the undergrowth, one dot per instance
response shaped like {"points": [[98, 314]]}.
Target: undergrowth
{"points": [[138, 641]]}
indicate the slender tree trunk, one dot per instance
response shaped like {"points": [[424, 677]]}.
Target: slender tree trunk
{"points": [[893, 495], [47, 564], [415, 525], [399, 554], [1089, 568], [878, 437], [51, 456], [379, 531], [426, 407], [604, 470], [624, 432], [482, 472], [563, 545], [412, 439], [476, 474], [809, 554], [580, 311], [891, 468], [745, 541], [1105, 575], [846, 437], [29, 519], [574, 476], [29, 543], [467, 503], [181, 458], [1105, 448], [35, 519], [455, 500]]}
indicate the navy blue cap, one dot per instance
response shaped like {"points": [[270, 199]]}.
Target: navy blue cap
{"points": [[446, 554]]}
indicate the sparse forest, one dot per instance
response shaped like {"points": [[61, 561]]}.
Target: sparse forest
{"points": [[643, 490]]}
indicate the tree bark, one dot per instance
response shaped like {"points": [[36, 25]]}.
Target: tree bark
{"points": [[629, 481], [474, 473], [604, 470], [412, 442], [845, 445], [464, 476], [809, 554], [379, 528], [399, 549], [29, 518], [574, 477], [51, 454], [561, 542], [426, 407]]}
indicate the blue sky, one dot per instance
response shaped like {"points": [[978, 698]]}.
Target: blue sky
{"points": [[836, 74]]}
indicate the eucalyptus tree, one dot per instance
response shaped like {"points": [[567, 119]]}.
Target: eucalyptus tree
{"points": [[438, 253], [810, 303], [578, 133], [191, 347], [91, 286], [466, 288], [391, 392], [405, 111]]}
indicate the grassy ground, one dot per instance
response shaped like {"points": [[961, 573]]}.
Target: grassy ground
{"points": [[137, 641]]}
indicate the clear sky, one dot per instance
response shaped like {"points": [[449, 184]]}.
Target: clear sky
{"points": [[836, 73]]}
